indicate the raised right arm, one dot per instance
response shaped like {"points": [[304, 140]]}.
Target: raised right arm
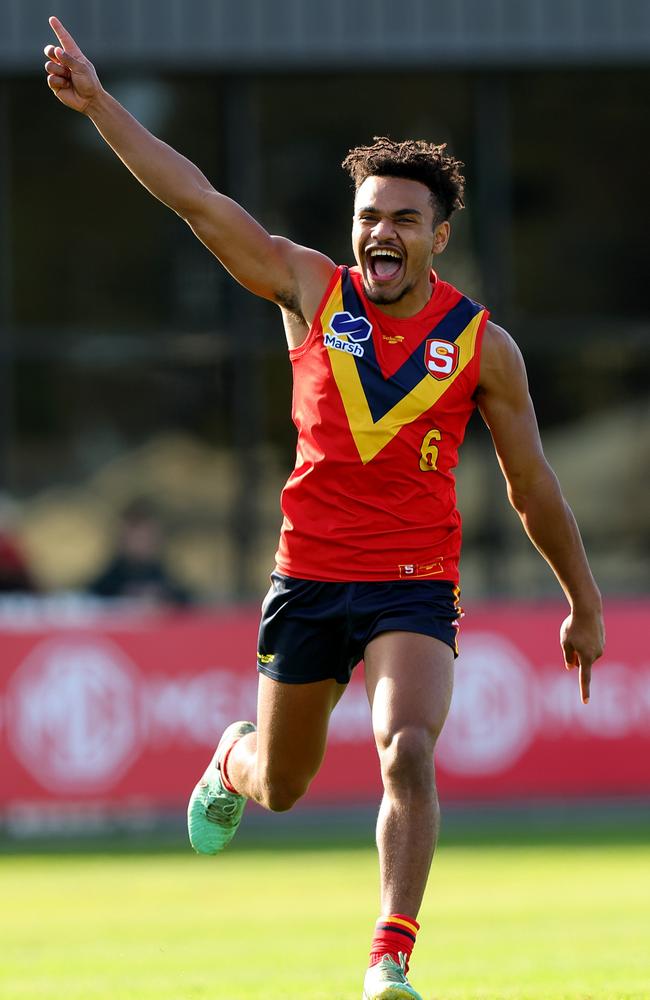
{"points": [[270, 266]]}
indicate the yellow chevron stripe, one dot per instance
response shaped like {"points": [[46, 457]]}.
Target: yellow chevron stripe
{"points": [[370, 436], [334, 304]]}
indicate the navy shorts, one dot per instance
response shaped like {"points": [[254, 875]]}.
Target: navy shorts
{"points": [[312, 631]]}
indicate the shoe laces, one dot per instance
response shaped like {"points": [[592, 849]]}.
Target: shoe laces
{"points": [[223, 807], [393, 971]]}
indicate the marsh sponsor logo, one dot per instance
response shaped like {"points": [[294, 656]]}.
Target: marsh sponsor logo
{"points": [[343, 345], [355, 329]]}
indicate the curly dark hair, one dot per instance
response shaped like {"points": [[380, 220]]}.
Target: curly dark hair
{"points": [[416, 160]]}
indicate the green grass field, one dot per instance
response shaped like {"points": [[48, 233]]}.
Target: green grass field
{"points": [[563, 920]]}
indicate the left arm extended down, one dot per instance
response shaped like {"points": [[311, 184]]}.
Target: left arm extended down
{"points": [[534, 492]]}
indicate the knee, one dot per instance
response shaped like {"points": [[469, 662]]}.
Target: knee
{"points": [[279, 791], [407, 758]]}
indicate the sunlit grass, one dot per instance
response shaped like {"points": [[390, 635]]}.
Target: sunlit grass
{"points": [[499, 923]]}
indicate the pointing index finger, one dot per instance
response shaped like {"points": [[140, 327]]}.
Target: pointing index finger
{"points": [[585, 682], [65, 38]]}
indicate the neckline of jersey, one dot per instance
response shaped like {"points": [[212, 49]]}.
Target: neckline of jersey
{"points": [[384, 319]]}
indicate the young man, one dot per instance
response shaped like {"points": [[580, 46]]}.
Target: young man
{"points": [[389, 362]]}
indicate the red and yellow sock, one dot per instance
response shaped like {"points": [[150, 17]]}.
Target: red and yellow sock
{"points": [[223, 767], [393, 934]]}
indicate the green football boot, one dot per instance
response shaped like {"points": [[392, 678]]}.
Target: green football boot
{"points": [[387, 981], [214, 813]]}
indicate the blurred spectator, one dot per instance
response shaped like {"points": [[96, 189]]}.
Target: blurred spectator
{"points": [[137, 569], [15, 574]]}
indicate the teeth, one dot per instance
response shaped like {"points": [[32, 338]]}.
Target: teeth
{"points": [[385, 253]]}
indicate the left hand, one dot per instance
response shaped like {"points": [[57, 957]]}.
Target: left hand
{"points": [[70, 76], [582, 637]]}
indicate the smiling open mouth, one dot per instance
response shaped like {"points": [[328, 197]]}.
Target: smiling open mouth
{"points": [[384, 263]]}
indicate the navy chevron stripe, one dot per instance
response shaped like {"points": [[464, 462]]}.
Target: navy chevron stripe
{"points": [[382, 394]]}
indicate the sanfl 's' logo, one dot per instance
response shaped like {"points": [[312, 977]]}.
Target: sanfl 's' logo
{"points": [[441, 358]]}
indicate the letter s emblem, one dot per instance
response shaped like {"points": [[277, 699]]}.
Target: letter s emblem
{"points": [[441, 358]]}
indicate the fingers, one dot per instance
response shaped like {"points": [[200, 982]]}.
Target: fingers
{"points": [[57, 83], [56, 69], [65, 38], [58, 76], [582, 639], [67, 60], [55, 54], [70, 75], [570, 655], [572, 659]]}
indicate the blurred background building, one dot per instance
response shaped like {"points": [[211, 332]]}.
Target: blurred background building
{"points": [[132, 366]]}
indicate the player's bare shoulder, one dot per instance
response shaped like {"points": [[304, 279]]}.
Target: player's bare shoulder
{"points": [[311, 272], [502, 363]]}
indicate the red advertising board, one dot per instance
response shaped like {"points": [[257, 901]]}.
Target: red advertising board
{"points": [[122, 713]]}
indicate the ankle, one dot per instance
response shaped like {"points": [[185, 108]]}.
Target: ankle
{"points": [[223, 767], [394, 934]]}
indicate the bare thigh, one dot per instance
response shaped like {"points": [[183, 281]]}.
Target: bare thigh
{"points": [[292, 723], [409, 680]]}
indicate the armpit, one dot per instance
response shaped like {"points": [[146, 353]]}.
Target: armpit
{"points": [[290, 304]]}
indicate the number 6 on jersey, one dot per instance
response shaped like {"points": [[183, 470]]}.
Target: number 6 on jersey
{"points": [[429, 451]]}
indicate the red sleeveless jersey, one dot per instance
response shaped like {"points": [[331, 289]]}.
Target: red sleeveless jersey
{"points": [[381, 405]]}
